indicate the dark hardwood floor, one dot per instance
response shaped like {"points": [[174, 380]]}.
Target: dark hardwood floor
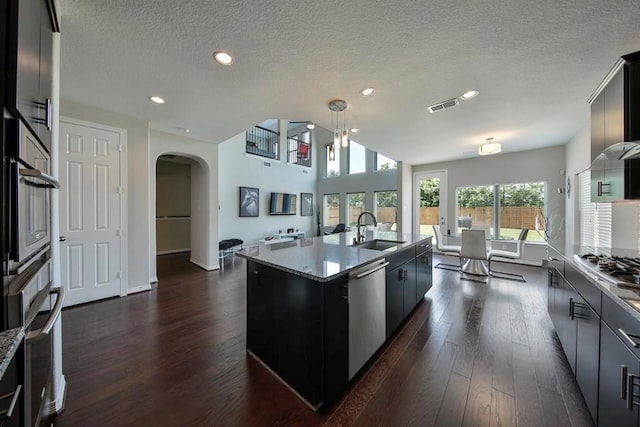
{"points": [[470, 354]]}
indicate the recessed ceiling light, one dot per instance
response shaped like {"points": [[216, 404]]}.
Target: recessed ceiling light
{"points": [[354, 130], [222, 57], [156, 99], [469, 94], [367, 91]]}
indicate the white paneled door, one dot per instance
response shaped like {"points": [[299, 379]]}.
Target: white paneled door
{"points": [[90, 212]]}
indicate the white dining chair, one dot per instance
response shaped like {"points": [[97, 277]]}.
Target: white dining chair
{"points": [[445, 249], [498, 253], [472, 255]]}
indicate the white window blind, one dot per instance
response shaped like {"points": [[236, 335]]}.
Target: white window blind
{"points": [[595, 218]]}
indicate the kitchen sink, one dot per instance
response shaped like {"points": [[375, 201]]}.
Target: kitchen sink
{"points": [[379, 244]]}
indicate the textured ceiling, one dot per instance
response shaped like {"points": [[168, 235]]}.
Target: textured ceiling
{"points": [[534, 63]]}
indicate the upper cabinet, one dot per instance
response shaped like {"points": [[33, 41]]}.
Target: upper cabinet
{"points": [[615, 116], [32, 23]]}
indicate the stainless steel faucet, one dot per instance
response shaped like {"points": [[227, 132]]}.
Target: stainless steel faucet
{"points": [[360, 237]]}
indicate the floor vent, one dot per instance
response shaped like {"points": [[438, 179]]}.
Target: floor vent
{"points": [[443, 105]]}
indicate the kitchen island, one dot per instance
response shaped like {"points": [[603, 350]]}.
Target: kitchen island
{"points": [[319, 308]]}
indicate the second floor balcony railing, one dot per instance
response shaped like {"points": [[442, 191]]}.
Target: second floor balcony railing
{"points": [[298, 152], [262, 142]]}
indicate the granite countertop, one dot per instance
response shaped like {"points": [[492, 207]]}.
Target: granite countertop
{"points": [[624, 297], [9, 342], [324, 258]]}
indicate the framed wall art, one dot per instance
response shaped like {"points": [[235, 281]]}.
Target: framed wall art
{"points": [[306, 204], [249, 202]]}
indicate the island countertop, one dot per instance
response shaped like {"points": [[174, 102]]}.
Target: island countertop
{"points": [[627, 299], [324, 258]]}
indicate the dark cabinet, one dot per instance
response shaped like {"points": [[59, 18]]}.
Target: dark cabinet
{"points": [[561, 297], [336, 338], [578, 329], [614, 113], [424, 274], [32, 24], [407, 283], [395, 299], [409, 287], [587, 352], [285, 327], [12, 391], [619, 381]]}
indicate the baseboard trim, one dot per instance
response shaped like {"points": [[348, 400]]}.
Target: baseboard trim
{"points": [[139, 289], [173, 251], [204, 266]]}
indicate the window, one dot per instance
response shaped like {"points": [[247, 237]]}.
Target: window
{"points": [[331, 209], [386, 213], [333, 166], [503, 210], [262, 142], [595, 218], [384, 163], [522, 206], [357, 158], [475, 207], [355, 207]]}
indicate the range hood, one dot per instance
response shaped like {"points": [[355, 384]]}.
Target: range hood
{"points": [[618, 152], [615, 173]]}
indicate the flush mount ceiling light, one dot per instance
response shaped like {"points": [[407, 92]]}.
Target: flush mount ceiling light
{"points": [[469, 94], [368, 91], [222, 57], [489, 148], [354, 130], [311, 125], [156, 99], [340, 134]]}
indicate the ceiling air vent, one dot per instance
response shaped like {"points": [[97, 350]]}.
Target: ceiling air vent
{"points": [[443, 105]]}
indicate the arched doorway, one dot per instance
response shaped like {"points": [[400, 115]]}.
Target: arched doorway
{"points": [[181, 209]]}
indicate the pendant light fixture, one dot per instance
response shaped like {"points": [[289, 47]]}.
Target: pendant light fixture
{"points": [[489, 148], [340, 134]]}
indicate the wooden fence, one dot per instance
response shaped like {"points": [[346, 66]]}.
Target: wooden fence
{"points": [[510, 216], [384, 215]]}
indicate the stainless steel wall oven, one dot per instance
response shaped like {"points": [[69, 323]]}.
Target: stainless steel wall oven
{"points": [[29, 195], [33, 304]]}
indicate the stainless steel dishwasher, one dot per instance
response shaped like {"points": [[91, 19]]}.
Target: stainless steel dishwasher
{"points": [[367, 313]]}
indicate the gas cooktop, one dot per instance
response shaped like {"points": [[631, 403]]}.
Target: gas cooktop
{"points": [[621, 271]]}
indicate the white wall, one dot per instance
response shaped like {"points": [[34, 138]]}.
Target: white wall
{"points": [[544, 164], [204, 195], [578, 155], [405, 197], [138, 213], [367, 182], [237, 169]]}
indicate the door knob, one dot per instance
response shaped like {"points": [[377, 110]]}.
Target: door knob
{"points": [[63, 238]]}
